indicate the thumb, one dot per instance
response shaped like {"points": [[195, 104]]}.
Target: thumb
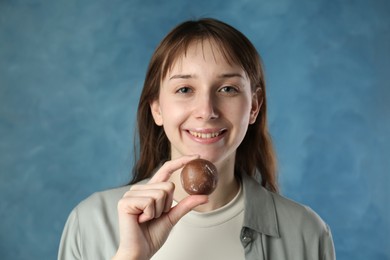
{"points": [[185, 206]]}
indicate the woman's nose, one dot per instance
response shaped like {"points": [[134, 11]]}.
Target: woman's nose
{"points": [[205, 107]]}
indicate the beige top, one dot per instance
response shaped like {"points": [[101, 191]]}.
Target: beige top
{"points": [[211, 235]]}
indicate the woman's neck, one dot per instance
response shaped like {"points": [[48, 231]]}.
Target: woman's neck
{"points": [[226, 190]]}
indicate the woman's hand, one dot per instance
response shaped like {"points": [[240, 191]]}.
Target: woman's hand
{"points": [[146, 215]]}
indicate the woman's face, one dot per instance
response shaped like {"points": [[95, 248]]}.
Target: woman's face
{"points": [[205, 104]]}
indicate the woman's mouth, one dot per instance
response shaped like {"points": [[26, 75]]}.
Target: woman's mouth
{"points": [[207, 135]]}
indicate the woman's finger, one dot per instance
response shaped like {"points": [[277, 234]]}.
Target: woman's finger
{"points": [[167, 187], [160, 198], [170, 167], [137, 206]]}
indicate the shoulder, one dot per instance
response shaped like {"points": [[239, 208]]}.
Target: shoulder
{"points": [[291, 227], [293, 214], [278, 212], [274, 214], [97, 211], [298, 221], [91, 223], [102, 200]]}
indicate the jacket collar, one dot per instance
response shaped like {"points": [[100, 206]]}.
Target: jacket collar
{"points": [[260, 209]]}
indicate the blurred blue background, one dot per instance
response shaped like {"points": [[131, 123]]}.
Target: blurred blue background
{"points": [[70, 77]]}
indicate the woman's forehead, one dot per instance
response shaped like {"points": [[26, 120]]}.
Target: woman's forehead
{"points": [[207, 48]]}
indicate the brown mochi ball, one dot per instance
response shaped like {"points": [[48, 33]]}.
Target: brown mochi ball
{"points": [[199, 177]]}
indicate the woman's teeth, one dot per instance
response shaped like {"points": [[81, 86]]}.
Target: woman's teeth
{"points": [[204, 135]]}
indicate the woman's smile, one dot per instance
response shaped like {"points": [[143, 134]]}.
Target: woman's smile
{"points": [[207, 136]]}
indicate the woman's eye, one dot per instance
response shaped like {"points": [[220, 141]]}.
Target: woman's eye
{"points": [[184, 90], [229, 90]]}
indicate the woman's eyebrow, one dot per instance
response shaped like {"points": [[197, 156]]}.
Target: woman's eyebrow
{"points": [[181, 76], [189, 76], [230, 75]]}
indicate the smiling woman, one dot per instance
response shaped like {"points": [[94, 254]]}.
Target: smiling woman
{"points": [[204, 97]]}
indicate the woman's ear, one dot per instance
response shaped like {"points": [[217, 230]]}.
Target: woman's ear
{"points": [[257, 101], [156, 112]]}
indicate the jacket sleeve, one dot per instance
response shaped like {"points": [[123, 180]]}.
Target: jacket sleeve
{"points": [[326, 245], [70, 244]]}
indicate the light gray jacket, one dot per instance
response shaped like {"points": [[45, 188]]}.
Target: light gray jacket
{"points": [[274, 228]]}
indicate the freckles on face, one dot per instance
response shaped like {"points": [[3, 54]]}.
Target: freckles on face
{"points": [[204, 103]]}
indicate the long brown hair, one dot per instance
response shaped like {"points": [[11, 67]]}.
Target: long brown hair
{"points": [[255, 153]]}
